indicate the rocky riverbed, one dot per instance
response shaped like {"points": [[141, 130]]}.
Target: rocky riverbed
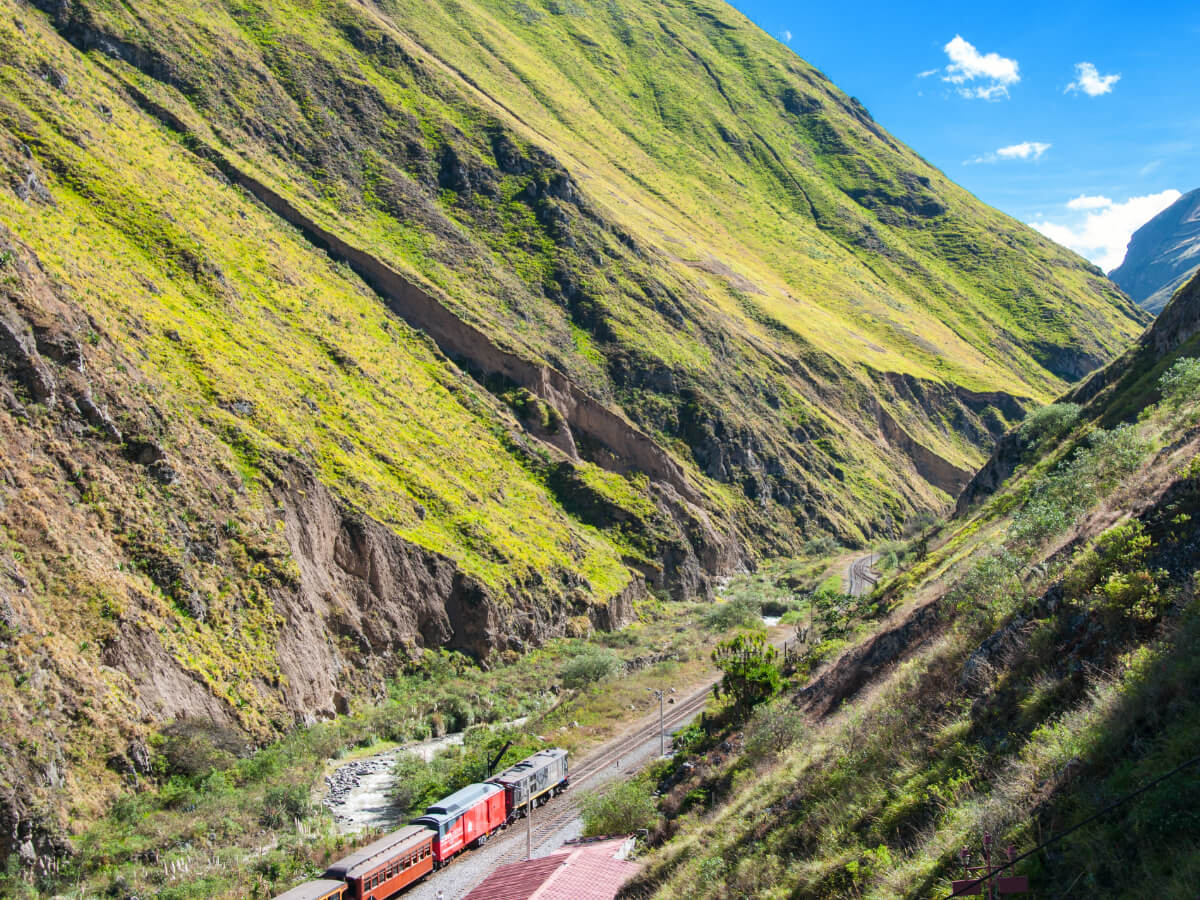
{"points": [[358, 793]]}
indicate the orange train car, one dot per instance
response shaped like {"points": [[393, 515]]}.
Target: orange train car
{"points": [[386, 866], [326, 889]]}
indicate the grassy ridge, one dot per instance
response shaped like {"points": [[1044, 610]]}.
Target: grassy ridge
{"points": [[1050, 682]]}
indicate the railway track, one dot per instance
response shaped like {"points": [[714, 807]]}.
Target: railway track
{"points": [[860, 577], [564, 809], [508, 846]]}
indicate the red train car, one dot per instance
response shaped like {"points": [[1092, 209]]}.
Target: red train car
{"points": [[383, 868], [464, 819]]}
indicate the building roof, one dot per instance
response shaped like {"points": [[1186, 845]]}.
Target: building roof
{"points": [[383, 849], [586, 870]]}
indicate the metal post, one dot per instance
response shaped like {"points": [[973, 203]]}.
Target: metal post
{"points": [[662, 732], [529, 825]]}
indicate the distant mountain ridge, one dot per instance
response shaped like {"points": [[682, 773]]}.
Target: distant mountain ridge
{"points": [[1162, 255]]}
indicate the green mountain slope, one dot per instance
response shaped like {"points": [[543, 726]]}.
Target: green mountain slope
{"points": [[334, 331], [1031, 674]]}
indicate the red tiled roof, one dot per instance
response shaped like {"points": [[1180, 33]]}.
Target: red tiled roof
{"points": [[582, 872]]}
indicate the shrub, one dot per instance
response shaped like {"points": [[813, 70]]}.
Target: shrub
{"points": [[773, 728], [282, 803], [1180, 384], [1111, 576], [417, 783], [1049, 422], [197, 748], [739, 612], [820, 546], [1054, 501], [990, 586], [589, 667], [621, 808]]}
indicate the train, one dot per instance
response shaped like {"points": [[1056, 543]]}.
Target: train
{"points": [[465, 819]]}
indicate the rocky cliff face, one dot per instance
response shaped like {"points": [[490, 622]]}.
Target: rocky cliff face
{"points": [[143, 585], [1162, 255]]}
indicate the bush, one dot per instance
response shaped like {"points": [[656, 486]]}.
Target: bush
{"points": [[740, 612], [820, 546], [1055, 500], [283, 803], [773, 728], [1111, 577], [197, 748], [589, 667], [1180, 384], [990, 587], [1049, 422], [621, 808]]}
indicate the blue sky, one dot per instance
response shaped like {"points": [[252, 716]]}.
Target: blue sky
{"points": [[995, 98]]}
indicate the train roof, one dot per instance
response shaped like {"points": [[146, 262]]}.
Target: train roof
{"points": [[312, 890], [522, 769], [451, 806], [381, 850]]}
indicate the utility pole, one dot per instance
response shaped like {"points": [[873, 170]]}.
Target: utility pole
{"points": [[662, 734], [529, 825]]}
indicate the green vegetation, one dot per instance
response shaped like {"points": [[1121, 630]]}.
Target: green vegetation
{"points": [[1180, 384], [589, 667], [418, 784], [1048, 423], [623, 807], [750, 673], [1050, 683]]}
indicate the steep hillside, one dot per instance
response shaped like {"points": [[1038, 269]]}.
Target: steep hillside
{"points": [[1033, 673], [335, 331], [1162, 254]]}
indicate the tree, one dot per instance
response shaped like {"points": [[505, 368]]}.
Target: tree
{"points": [[750, 671]]}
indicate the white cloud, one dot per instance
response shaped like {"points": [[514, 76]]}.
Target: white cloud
{"points": [[969, 65], [1026, 150], [1085, 202], [927, 73], [1103, 233], [787, 35], [1090, 81]]}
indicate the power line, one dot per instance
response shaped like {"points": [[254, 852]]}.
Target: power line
{"points": [[971, 885]]}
